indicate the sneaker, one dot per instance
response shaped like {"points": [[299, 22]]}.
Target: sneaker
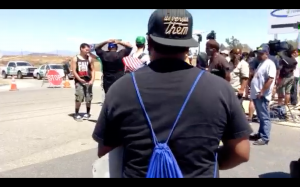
{"points": [[77, 117], [86, 116], [254, 137], [260, 142]]}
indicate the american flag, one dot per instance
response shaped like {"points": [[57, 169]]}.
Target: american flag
{"points": [[132, 64]]}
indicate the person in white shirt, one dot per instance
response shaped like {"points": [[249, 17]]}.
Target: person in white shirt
{"points": [[295, 87], [139, 53], [225, 53]]}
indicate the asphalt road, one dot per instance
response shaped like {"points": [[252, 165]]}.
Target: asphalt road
{"points": [[38, 138]]}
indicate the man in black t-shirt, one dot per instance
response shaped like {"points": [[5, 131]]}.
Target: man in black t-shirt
{"points": [[218, 64], [163, 86], [113, 67]]}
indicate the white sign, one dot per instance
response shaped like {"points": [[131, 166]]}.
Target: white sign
{"points": [[283, 21]]}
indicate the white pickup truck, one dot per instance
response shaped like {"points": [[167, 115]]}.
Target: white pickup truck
{"points": [[17, 68]]}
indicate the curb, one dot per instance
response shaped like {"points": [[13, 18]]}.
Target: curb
{"points": [[287, 124]]}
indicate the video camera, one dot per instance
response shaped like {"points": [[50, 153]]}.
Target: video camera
{"points": [[211, 36], [276, 46]]}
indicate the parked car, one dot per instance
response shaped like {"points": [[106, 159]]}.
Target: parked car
{"points": [[41, 71], [17, 68]]}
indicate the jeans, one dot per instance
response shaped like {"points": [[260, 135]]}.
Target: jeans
{"points": [[294, 91], [262, 110]]}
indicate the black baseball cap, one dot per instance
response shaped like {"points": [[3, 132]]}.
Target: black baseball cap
{"points": [[172, 27]]}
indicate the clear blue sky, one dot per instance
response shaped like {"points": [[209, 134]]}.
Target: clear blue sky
{"points": [[49, 30]]}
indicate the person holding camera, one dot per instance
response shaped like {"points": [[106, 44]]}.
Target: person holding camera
{"points": [[295, 86], [285, 80]]}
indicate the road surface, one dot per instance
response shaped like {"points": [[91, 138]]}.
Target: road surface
{"points": [[38, 138]]}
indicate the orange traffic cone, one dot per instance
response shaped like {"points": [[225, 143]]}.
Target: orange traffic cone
{"points": [[67, 83], [13, 85]]}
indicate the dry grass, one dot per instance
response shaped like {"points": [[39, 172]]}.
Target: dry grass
{"points": [[2, 81], [38, 60]]}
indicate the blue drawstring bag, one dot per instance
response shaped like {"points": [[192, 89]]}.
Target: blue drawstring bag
{"points": [[163, 163]]}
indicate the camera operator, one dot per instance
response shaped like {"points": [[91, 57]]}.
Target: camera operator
{"points": [[295, 86], [285, 80]]}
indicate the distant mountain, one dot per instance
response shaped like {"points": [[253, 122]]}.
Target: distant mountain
{"points": [[14, 53], [50, 53]]}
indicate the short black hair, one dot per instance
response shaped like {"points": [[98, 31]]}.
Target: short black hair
{"points": [[167, 50], [252, 54], [84, 45], [213, 44], [140, 45]]}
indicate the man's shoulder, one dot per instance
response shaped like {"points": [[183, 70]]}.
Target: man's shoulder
{"points": [[270, 62], [243, 62]]}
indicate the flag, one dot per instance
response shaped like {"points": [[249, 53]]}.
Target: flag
{"points": [[132, 64]]}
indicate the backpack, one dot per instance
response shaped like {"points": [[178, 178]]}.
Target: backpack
{"points": [[163, 163]]}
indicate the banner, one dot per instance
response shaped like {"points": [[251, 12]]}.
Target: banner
{"points": [[283, 21]]}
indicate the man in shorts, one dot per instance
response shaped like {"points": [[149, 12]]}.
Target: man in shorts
{"points": [[84, 74], [285, 81]]}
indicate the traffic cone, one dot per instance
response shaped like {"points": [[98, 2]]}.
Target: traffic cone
{"points": [[67, 83], [13, 85]]}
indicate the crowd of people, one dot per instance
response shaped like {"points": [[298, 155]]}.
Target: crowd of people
{"points": [[165, 103], [259, 75]]}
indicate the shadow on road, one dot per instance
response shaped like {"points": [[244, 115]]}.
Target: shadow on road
{"points": [[78, 165], [92, 120], [97, 103], [275, 175]]}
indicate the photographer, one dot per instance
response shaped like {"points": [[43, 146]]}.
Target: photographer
{"points": [[285, 80], [295, 86]]}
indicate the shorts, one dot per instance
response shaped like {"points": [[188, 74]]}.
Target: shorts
{"points": [[284, 86], [83, 92]]}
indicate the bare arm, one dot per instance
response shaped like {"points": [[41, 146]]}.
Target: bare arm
{"points": [[233, 153], [236, 145], [125, 44], [100, 45], [245, 75], [267, 85], [93, 69]]}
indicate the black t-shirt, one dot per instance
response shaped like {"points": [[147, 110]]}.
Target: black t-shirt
{"points": [[202, 60], [288, 65], [212, 113], [112, 60], [219, 66]]}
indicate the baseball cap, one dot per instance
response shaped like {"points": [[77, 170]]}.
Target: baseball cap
{"points": [[263, 49], [140, 40], [111, 45], [172, 27]]}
